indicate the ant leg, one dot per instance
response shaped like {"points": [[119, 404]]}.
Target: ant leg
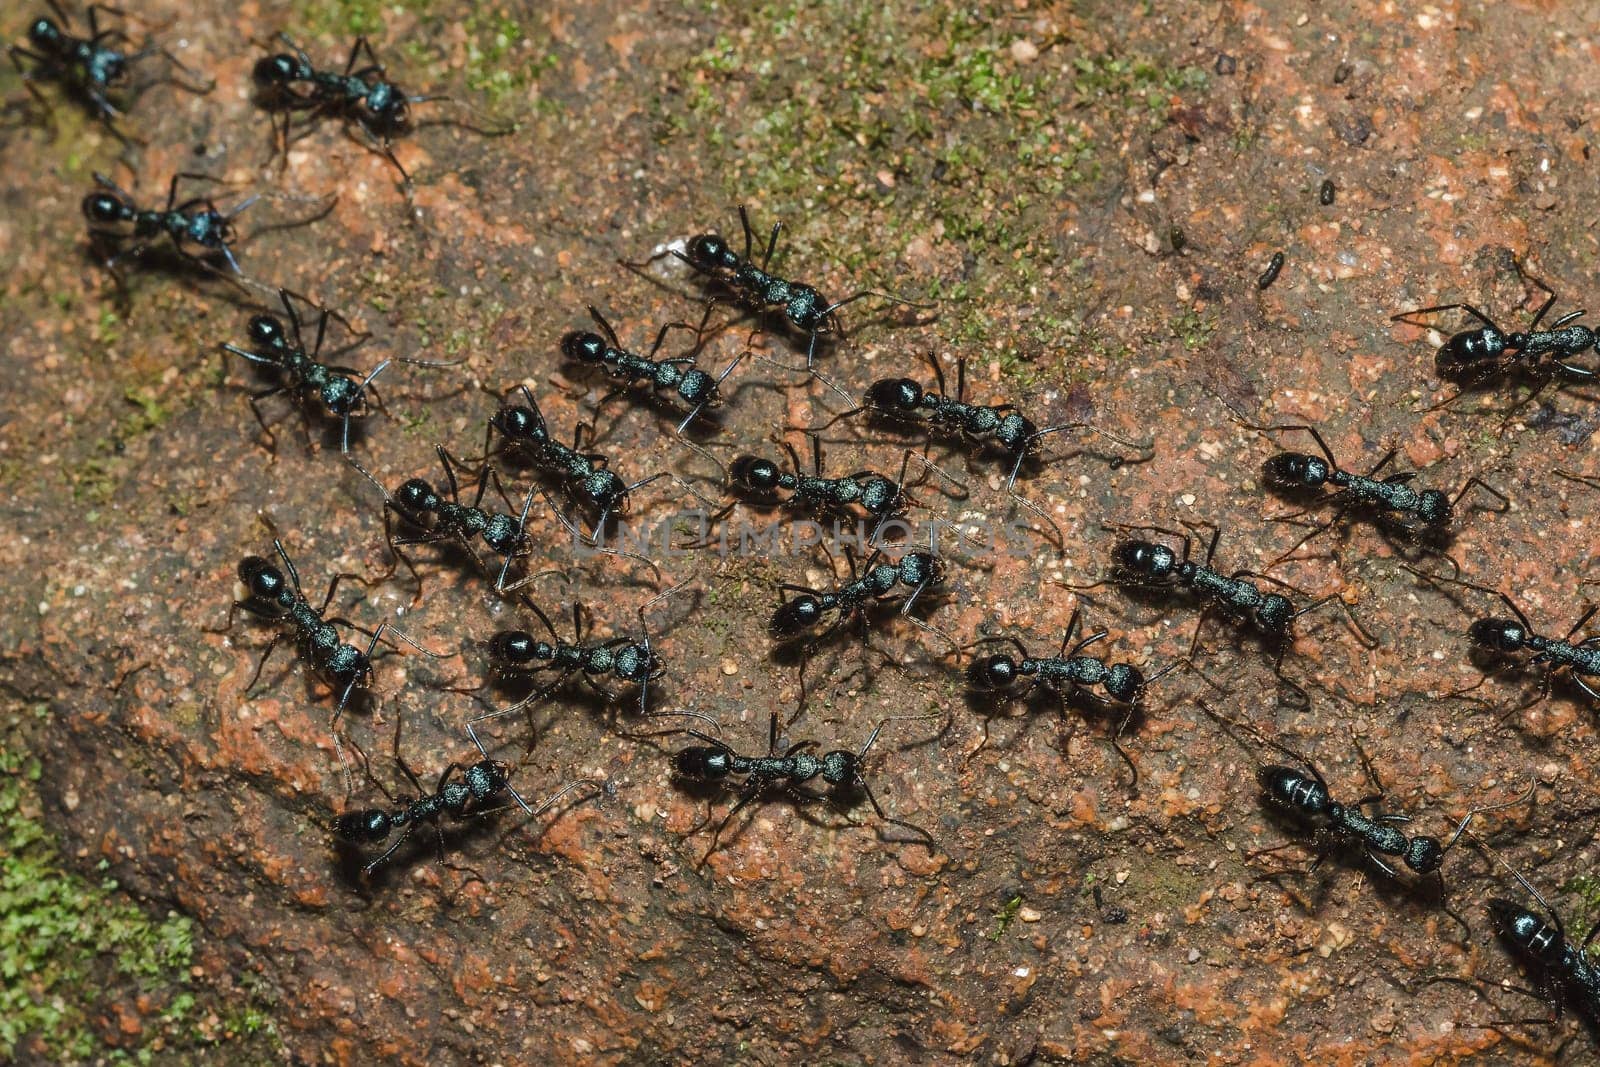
{"points": [[1405, 316], [753, 790], [1505, 504], [264, 657], [927, 839], [255, 407], [1549, 302], [1579, 624], [1059, 540]]}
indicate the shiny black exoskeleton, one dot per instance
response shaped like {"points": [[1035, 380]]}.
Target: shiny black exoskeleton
{"points": [[1475, 356], [288, 83], [339, 389], [461, 793], [1500, 636], [90, 68], [438, 519], [272, 596], [904, 400], [626, 659], [806, 309], [1302, 793], [715, 763], [583, 475], [880, 498], [678, 375], [1565, 971], [1418, 514], [198, 230], [1152, 563], [1115, 683], [917, 571]]}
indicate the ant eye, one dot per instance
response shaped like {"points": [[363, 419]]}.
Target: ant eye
{"points": [[43, 31]]}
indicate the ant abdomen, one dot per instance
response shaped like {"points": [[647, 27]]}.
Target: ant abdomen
{"points": [[895, 396], [1295, 470], [1293, 788], [584, 346], [367, 827], [702, 763], [796, 616], [1498, 635], [992, 673]]}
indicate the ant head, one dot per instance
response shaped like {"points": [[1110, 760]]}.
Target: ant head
{"points": [[44, 32], [921, 568], [366, 827], [709, 251], [1294, 470], [486, 779], [796, 616], [1498, 635], [806, 308], [1146, 559], [276, 70], [605, 490], [703, 763], [635, 662], [755, 474], [512, 648], [1124, 683], [584, 345], [991, 673], [104, 209], [388, 109], [264, 581], [1424, 854], [840, 767], [1274, 614], [697, 387], [1434, 507], [267, 332], [344, 396], [894, 396], [416, 495], [519, 423], [880, 496]]}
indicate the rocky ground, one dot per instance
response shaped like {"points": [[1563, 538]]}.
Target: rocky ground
{"points": [[1089, 195]]}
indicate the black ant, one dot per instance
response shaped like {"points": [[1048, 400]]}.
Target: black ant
{"points": [[882, 499], [268, 595], [1506, 637], [629, 660], [199, 231], [1475, 356], [1309, 801], [905, 401], [91, 67], [584, 475], [1424, 514], [1150, 564], [678, 374], [918, 571], [461, 793], [340, 389], [288, 82], [1565, 970], [440, 519], [1119, 684], [714, 763], [752, 287]]}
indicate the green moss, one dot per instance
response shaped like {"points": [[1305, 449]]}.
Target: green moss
{"points": [[1587, 912], [338, 18], [63, 936], [1192, 328], [1005, 916]]}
